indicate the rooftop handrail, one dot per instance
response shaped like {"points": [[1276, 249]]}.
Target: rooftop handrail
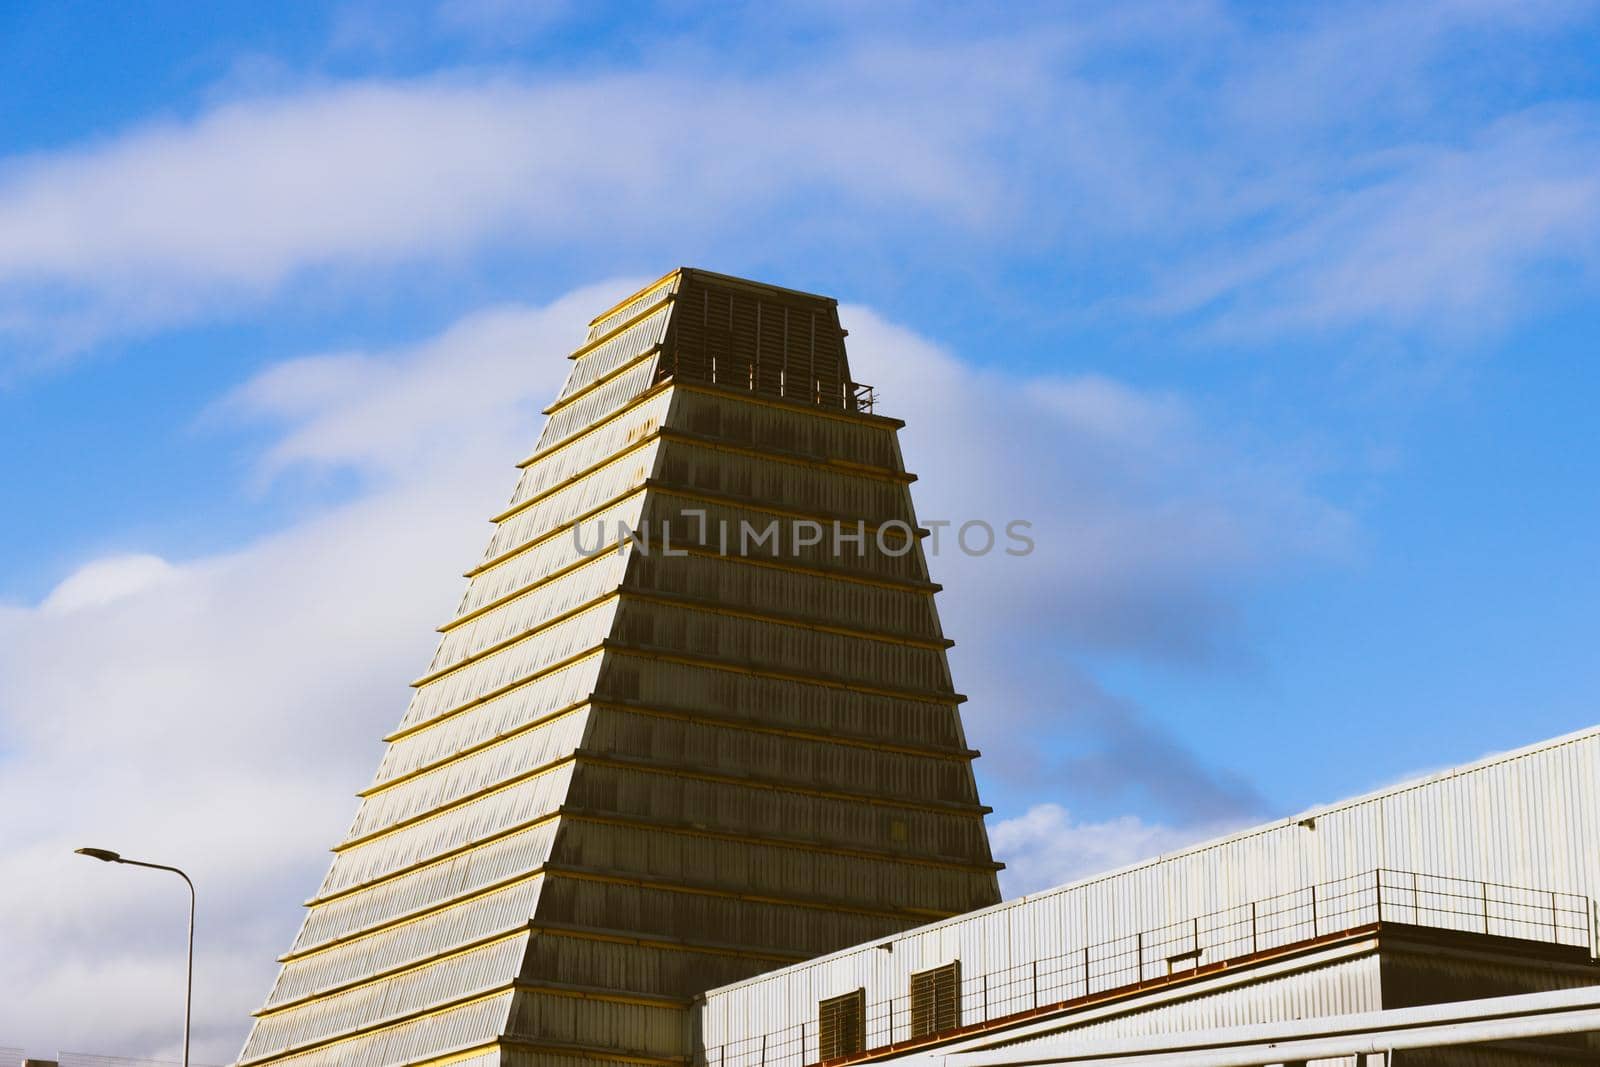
{"points": [[1183, 947]]}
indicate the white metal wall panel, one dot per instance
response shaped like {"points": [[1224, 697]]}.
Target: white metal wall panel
{"points": [[1343, 988]]}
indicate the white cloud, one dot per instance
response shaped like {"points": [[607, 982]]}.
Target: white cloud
{"points": [[1046, 846], [107, 580], [1318, 174], [1136, 505], [485, 378], [219, 712], [155, 224], [1442, 237]]}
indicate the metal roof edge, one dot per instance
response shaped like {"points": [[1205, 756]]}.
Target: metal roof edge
{"points": [[711, 275], [734, 281]]}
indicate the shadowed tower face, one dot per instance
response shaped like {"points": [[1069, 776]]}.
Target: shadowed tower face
{"points": [[682, 729]]}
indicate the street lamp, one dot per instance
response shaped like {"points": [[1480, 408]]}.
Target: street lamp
{"points": [[107, 856]]}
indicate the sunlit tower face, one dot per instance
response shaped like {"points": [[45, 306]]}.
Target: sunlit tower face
{"points": [[692, 721]]}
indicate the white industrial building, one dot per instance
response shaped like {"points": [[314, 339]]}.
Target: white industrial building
{"points": [[1475, 882]]}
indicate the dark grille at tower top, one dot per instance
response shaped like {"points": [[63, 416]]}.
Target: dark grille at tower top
{"points": [[774, 342]]}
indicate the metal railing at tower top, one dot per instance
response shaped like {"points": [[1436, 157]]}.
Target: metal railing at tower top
{"points": [[793, 384], [1177, 951]]}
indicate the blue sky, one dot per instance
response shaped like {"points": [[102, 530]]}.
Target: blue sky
{"points": [[1278, 321]]}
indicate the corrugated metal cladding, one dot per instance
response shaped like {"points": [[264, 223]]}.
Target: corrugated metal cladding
{"points": [[629, 773], [1344, 986], [1529, 818]]}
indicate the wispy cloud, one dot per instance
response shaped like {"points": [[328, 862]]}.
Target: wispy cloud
{"points": [[1308, 174], [1448, 237], [163, 221], [1046, 846]]}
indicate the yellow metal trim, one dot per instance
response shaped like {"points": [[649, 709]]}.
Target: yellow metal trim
{"points": [[689, 603], [472, 750], [623, 326], [577, 874], [609, 549], [577, 476], [712, 607], [457, 1057], [663, 944], [907, 585], [416, 915], [512, 553], [697, 717], [573, 992], [605, 819], [612, 819], [790, 566], [423, 816], [573, 438], [696, 495], [859, 417], [751, 726], [779, 785], [386, 1024], [518, 638], [730, 281], [848, 468], [498, 691], [924, 696], [403, 968], [729, 500], [527, 824], [794, 459], [525, 1044], [605, 379], [637, 293]]}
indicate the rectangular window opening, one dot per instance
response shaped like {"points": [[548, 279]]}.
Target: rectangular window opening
{"points": [[841, 1025], [936, 1000]]}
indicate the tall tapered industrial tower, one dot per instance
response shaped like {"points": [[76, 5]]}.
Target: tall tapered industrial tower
{"points": [[693, 719]]}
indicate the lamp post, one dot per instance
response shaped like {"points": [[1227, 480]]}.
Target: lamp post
{"points": [[107, 856]]}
